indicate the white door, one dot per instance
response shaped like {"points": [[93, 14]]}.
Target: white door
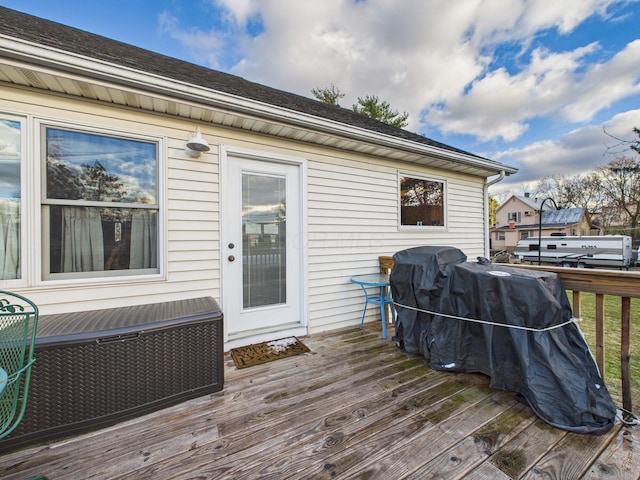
{"points": [[262, 281]]}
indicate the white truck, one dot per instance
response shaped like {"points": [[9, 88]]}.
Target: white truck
{"points": [[583, 251]]}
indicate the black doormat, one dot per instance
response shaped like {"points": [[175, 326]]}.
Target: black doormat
{"points": [[264, 352]]}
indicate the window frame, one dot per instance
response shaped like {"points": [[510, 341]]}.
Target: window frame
{"points": [[24, 260], [42, 204], [445, 201]]}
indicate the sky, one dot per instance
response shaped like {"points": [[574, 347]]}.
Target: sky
{"points": [[547, 86]]}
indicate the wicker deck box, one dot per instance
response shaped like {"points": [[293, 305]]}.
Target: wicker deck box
{"points": [[96, 368]]}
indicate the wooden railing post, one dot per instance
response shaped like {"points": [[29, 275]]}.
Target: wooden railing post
{"points": [[576, 304], [600, 333], [625, 356]]}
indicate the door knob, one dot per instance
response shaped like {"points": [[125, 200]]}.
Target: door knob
{"points": [[231, 258]]}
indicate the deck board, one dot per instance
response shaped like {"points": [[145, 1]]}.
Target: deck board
{"points": [[355, 407]]}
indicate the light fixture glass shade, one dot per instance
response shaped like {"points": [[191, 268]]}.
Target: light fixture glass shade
{"points": [[197, 143]]}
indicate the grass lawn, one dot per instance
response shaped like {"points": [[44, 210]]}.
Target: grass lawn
{"points": [[612, 343]]}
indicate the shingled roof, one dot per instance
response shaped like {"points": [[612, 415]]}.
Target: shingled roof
{"points": [[60, 37]]}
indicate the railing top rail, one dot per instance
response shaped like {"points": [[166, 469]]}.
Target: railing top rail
{"points": [[620, 283]]}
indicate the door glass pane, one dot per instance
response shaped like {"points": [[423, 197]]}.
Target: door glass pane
{"points": [[263, 240], [9, 200]]}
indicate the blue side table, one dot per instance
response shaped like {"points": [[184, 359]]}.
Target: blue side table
{"points": [[380, 298]]}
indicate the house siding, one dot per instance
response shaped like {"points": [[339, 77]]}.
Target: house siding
{"points": [[352, 214]]}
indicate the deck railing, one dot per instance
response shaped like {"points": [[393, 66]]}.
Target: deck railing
{"points": [[601, 282]]}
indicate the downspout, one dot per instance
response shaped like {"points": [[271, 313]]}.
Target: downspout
{"points": [[487, 184]]}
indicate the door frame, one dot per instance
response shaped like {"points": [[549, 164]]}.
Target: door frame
{"points": [[300, 242]]}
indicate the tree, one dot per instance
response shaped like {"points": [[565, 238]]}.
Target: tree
{"points": [[621, 186], [582, 190], [371, 106], [329, 95], [493, 208]]}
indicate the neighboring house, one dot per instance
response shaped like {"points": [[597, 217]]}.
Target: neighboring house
{"points": [[101, 204], [519, 217]]}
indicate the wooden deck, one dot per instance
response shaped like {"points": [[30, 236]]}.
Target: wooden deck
{"points": [[356, 407]]}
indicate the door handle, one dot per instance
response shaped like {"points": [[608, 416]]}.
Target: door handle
{"points": [[231, 258]]}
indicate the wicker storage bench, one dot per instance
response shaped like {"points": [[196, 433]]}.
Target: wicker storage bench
{"points": [[96, 368]]}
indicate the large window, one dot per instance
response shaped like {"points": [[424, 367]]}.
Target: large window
{"points": [[99, 204], [10, 198], [422, 202]]}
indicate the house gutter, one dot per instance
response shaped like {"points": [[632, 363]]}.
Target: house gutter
{"points": [[485, 196], [123, 76]]}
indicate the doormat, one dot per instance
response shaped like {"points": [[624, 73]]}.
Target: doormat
{"points": [[264, 352]]}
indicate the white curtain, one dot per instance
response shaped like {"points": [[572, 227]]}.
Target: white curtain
{"points": [[144, 240], [82, 243], [9, 239]]}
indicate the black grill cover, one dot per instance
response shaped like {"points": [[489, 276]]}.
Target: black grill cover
{"points": [[553, 369]]}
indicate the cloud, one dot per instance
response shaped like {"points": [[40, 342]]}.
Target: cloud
{"points": [[605, 83], [206, 47], [579, 151], [500, 103]]}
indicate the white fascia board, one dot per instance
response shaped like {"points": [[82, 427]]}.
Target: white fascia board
{"points": [[120, 75]]}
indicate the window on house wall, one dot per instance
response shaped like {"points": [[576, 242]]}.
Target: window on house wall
{"points": [[422, 202], [515, 217], [99, 204], [10, 198], [524, 234], [500, 236]]}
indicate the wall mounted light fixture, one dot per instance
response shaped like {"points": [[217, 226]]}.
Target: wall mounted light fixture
{"points": [[196, 145]]}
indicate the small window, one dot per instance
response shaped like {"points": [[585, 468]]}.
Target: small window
{"points": [[515, 217], [10, 199], [422, 202], [100, 205], [500, 236]]}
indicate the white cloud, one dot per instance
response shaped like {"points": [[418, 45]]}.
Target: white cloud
{"points": [[603, 84], [205, 47], [579, 151], [499, 104]]}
